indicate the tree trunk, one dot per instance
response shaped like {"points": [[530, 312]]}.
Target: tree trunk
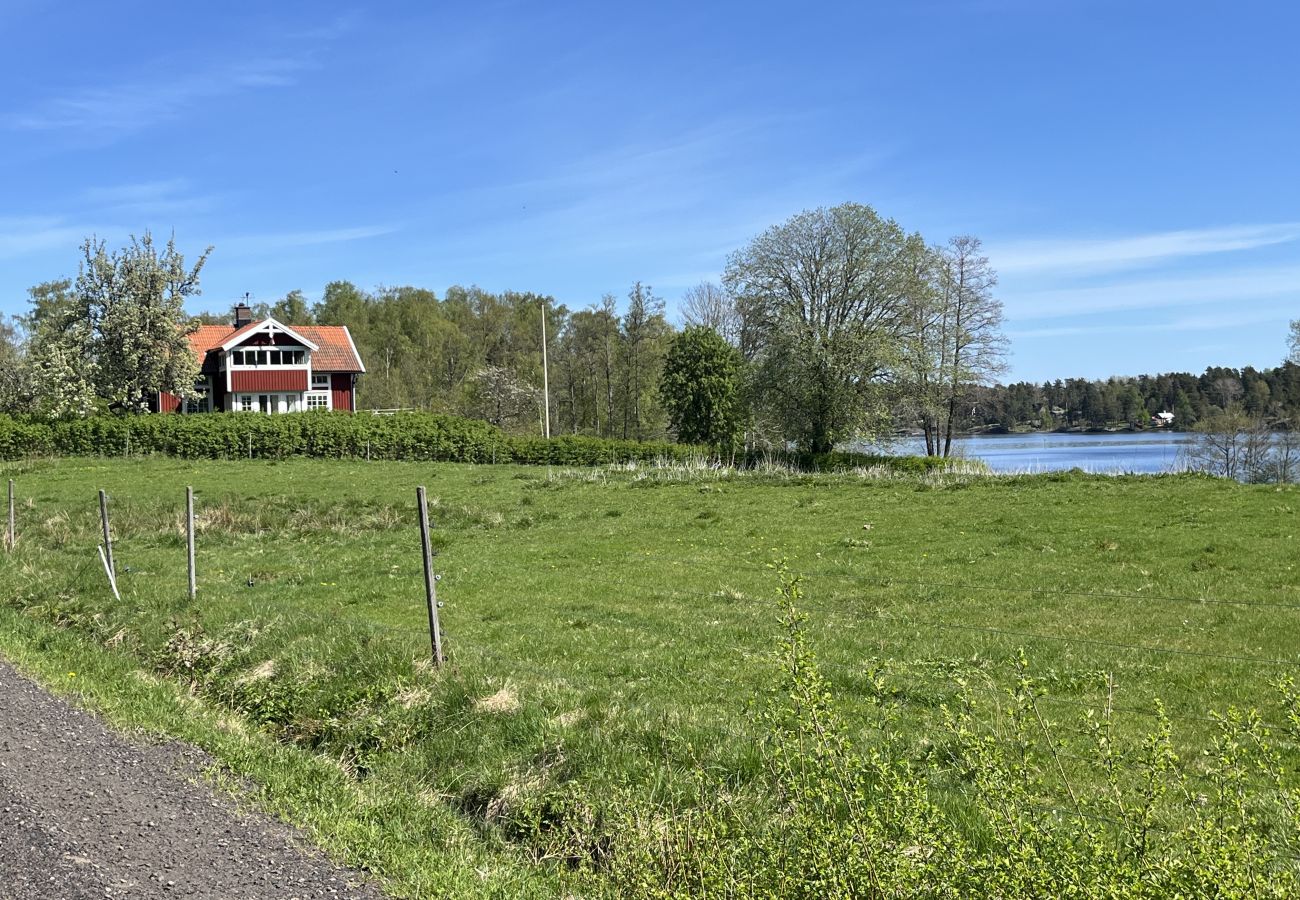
{"points": [[952, 414]]}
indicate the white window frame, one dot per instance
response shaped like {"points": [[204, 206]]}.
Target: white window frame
{"points": [[320, 381], [246, 403], [261, 357], [313, 400]]}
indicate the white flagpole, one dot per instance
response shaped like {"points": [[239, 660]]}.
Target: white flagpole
{"points": [[546, 381]]}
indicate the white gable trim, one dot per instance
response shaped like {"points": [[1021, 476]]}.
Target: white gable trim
{"points": [[267, 326], [353, 345]]}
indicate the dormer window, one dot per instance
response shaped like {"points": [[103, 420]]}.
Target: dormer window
{"points": [[268, 357]]}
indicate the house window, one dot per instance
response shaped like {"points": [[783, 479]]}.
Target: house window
{"points": [[268, 357], [246, 403], [318, 400], [201, 401]]}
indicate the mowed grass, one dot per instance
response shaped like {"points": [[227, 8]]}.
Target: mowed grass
{"points": [[620, 627]]}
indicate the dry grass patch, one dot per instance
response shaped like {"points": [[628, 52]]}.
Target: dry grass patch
{"points": [[411, 697], [503, 702], [571, 717], [258, 673]]}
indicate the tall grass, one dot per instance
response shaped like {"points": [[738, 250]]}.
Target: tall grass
{"points": [[623, 700]]}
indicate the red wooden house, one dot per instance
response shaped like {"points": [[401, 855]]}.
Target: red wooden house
{"points": [[268, 367]]}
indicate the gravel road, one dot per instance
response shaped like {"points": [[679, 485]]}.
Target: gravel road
{"points": [[86, 812]]}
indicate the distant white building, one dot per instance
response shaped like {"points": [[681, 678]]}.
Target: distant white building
{"points": [[1162, 419]]}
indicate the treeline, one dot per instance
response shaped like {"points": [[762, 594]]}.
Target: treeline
{"points": [[477, 353], [840, 324], [1271, 396], [834, 325]]}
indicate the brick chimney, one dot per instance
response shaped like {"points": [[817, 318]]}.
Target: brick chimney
{"points": [[243, 315]]}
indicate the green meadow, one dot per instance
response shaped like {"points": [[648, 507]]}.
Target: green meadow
{"points": [[618, 631]]}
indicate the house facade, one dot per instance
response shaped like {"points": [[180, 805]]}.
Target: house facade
{"points": [[265, 366]]}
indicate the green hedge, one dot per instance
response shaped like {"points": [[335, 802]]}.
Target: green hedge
{"points": [[410, 436], [573, 450], [404, 436]]}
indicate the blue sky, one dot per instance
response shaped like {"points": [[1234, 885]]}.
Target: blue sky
{"points": [[1131, 167]]}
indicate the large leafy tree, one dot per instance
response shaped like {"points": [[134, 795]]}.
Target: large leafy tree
{"points": [[700, 388], [12, 366], [59, 372], [709, 305], [582, 370], [644, 333], [134, 304], [292, 309], [952, 340], [821, 298]]}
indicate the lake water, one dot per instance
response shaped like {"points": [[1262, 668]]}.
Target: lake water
{"points": [[1136, 452]]}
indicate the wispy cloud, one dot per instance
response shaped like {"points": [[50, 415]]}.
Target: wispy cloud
{"points": [[647, 204], [129, 106], [134, 193], [168, 87], [1084, 256], [20, 237], [147, 200], [287, 240], [1208, 322], [1235, 287]]}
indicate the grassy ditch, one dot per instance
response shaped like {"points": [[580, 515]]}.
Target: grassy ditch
{"points": [[615, 637]]}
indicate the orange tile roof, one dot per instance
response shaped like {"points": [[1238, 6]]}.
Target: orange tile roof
{"points": [[337, 352], [208, 337]]}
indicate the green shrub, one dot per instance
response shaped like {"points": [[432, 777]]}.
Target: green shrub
{"points": [[24, 437]]}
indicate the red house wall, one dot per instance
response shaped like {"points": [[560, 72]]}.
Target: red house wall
{"points": [[290, 380], [341, 388], [168, 403]]}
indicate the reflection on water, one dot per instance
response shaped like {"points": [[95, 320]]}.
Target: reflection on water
{"points": [[1138, 452]]}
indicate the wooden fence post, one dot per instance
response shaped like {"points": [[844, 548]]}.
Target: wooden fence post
{"points": [[108, 539], [189, 539], [12, 535], [430, 581]]}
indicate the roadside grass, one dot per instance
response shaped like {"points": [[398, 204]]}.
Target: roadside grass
{"points": [[617, 629], [413, 847]]}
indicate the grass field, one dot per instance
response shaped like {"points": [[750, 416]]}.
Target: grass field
{"points": [[608, 628]]}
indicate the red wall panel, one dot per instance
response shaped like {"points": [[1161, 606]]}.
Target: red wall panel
{"points": [[246, 381], [168, 403], [341, 387]]}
